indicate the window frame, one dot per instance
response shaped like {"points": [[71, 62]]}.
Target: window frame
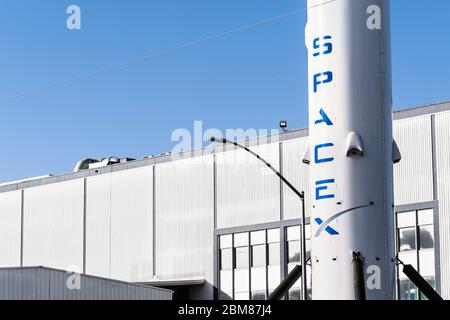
{"points": [[279, 225], [434, 206]]}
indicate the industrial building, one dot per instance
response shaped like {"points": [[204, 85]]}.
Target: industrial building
{"points": [[39, 283], [215, 223]]}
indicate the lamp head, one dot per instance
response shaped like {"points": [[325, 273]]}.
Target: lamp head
{"points": [[218, 140], [283, 125]]}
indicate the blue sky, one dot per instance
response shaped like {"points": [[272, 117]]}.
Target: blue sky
{"points": [[248, 79]]}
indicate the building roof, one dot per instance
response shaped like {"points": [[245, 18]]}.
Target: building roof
{"points": [[422, 110], [282, 136], [42, 283]]}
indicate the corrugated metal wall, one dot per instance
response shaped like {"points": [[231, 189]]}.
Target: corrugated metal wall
{"points": [[132, 225], [10, 228], [48, 284], [53, 225], [298, 174], [185, 219], [119, 225], [443, 174], [98, 226], [247, 191], [413, 176]]}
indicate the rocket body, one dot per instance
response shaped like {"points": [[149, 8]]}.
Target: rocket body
{"points": [[350, 115]]}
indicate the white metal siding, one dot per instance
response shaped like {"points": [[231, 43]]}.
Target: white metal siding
{"points": [[443, 175], [98, 226], [132, 225], [413, 176], [185, 219], [53, 225], [298, 174], [10, 228], [248, 192], [119, 225]]}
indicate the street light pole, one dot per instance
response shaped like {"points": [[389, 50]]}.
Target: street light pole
{"points": [[301, 195], [303, 253]]}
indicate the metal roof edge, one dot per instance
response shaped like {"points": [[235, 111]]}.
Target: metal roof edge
{"points": [[136, 284], [209, 150], [175, 282]]}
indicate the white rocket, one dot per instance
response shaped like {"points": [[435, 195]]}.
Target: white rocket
{"points": [[351, 147]]}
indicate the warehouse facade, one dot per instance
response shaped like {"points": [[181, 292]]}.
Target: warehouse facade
{"points": [[215, 223], [39, 283]]}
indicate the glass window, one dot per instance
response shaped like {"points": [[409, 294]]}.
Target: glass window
{"points": [[241, 239], [408, 291], [273, 235], [226, 282], [309, 293], [226, 259], [242, 257], [226, 241], [298, 283], [258, 279], [416, 243], [259, 255], [250, 262], [241, 281], [308, 249], [258, 237], [294, 294], [426, 237], [408, 257], [293, 233], [293, 251], [273, 276], [309, 281], [259, 295], [308, 231], [432, 282], [242, 296], [308, 269], [224, 296], [295, 291], [407, 239], [406, 219], [425, 217], [274, 253], [426, 264]]}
